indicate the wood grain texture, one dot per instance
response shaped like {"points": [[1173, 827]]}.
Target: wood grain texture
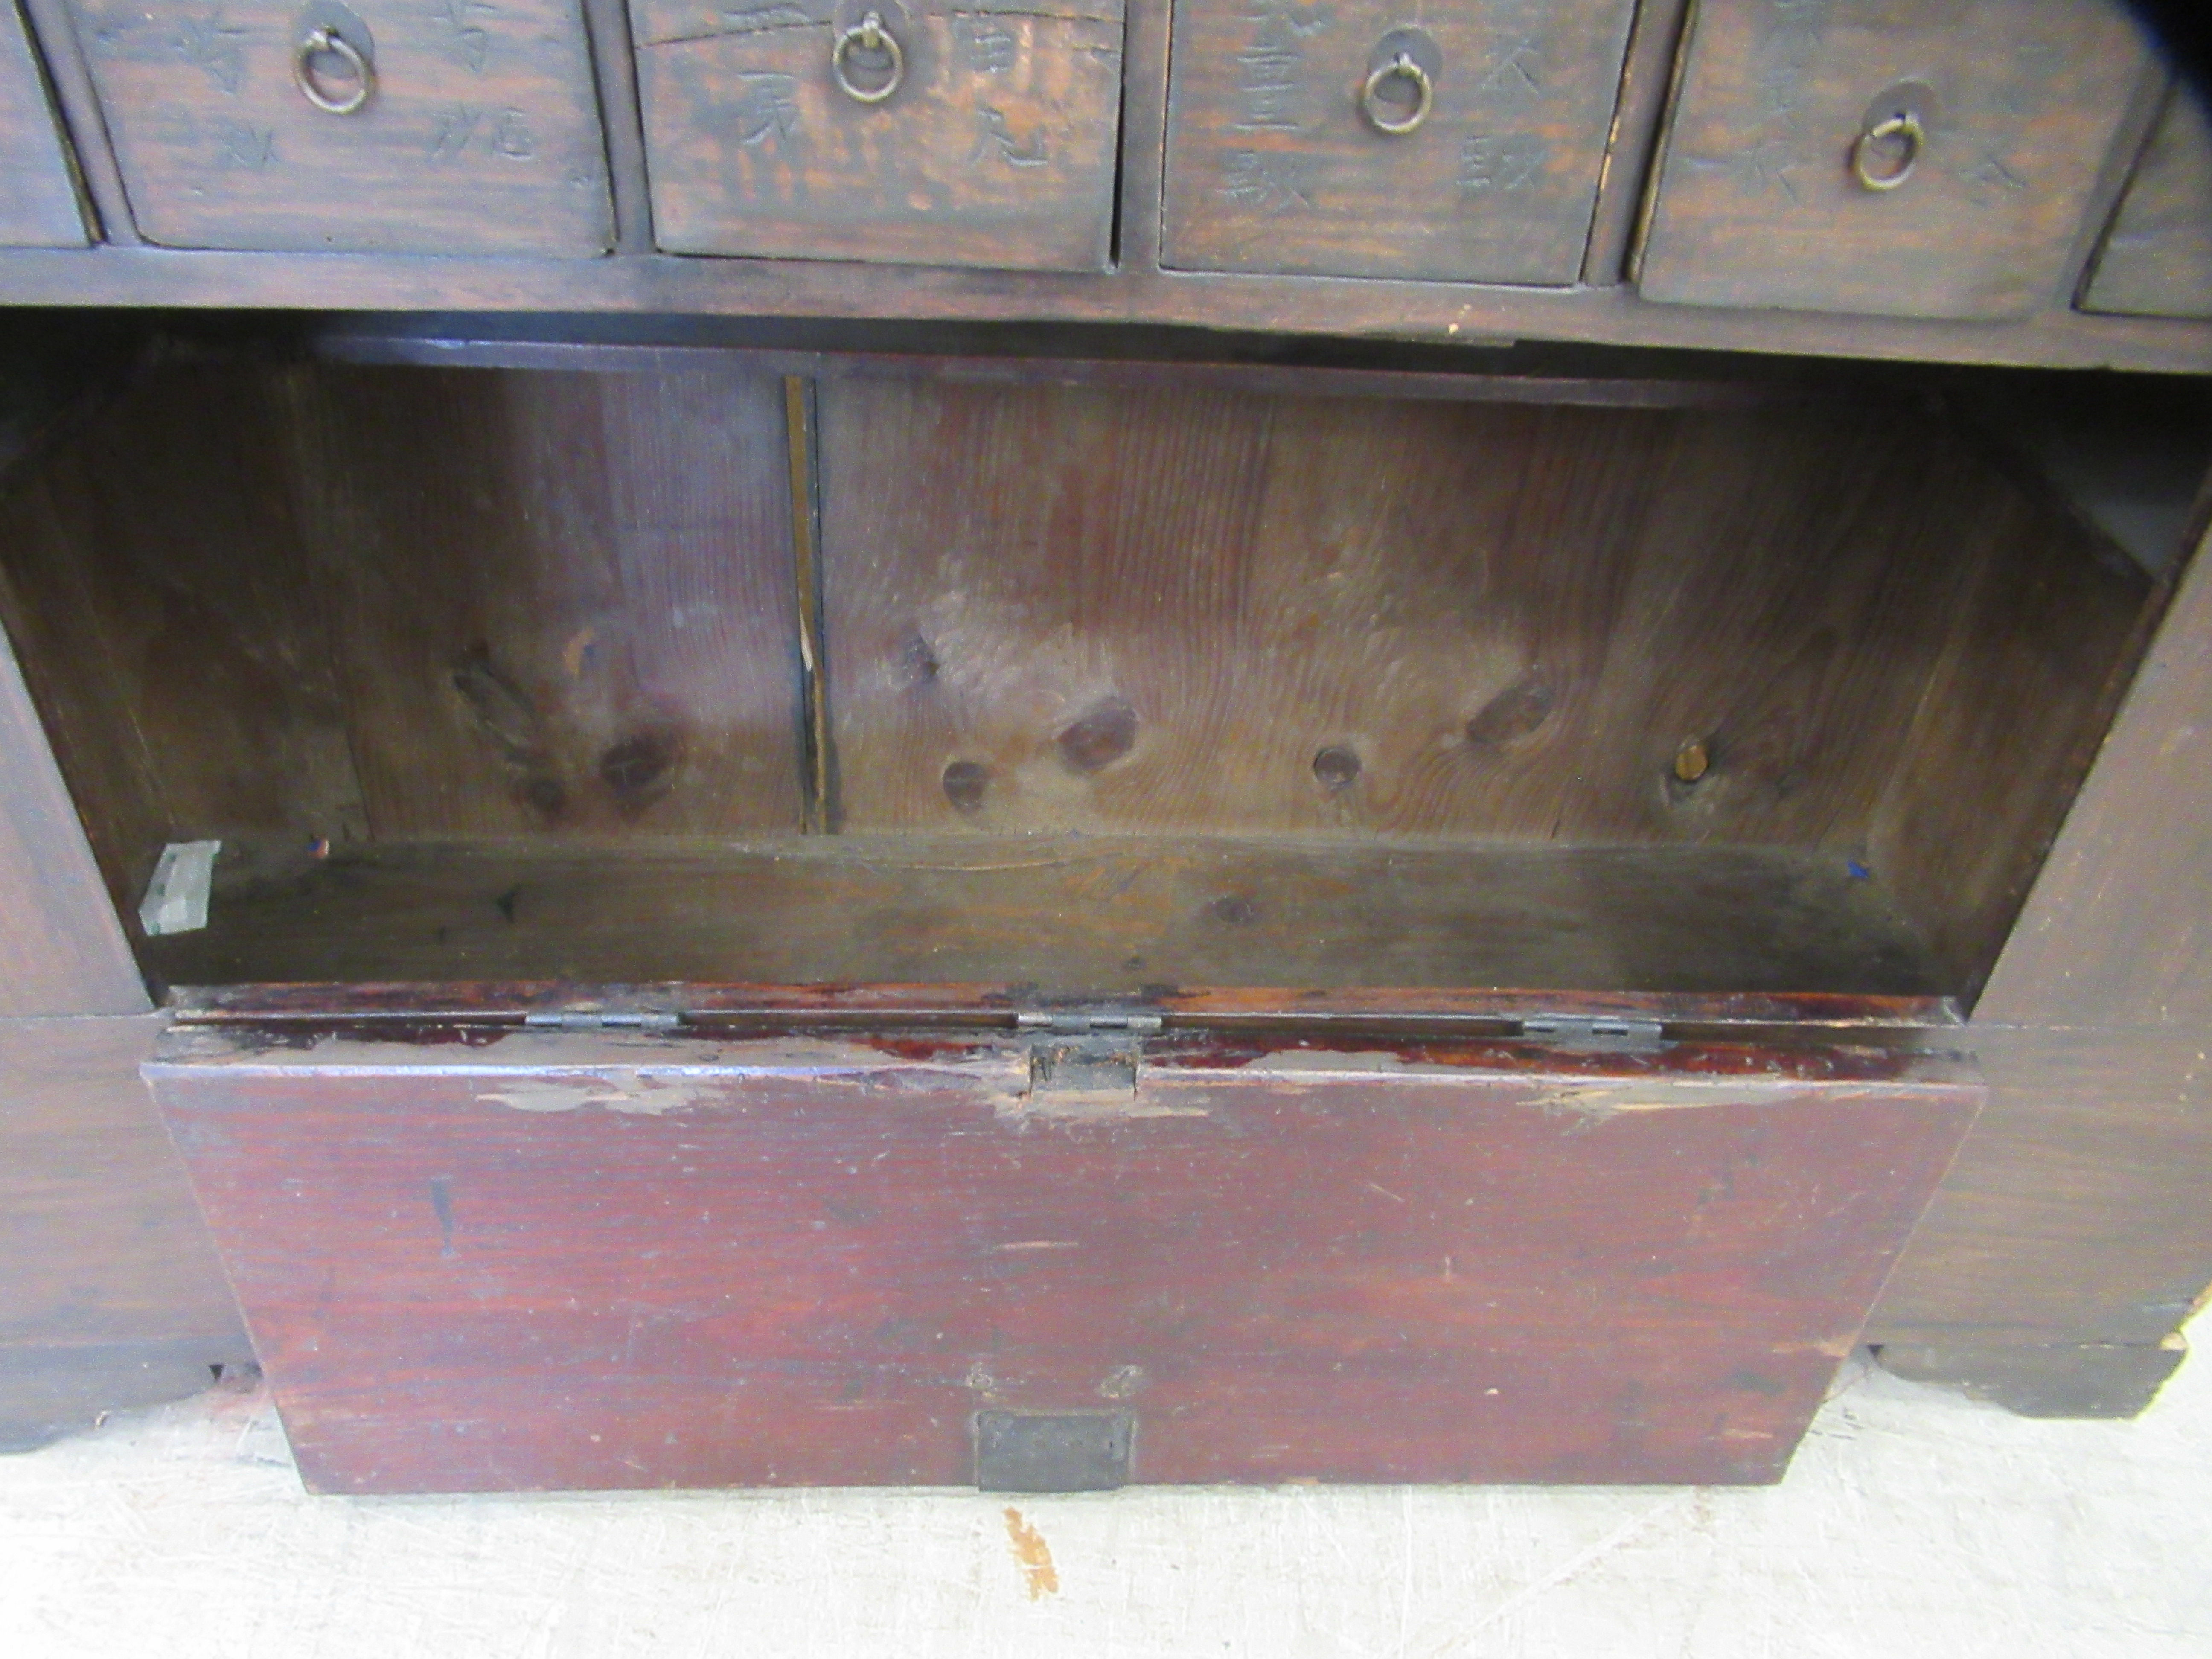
{"points": [[38, 196], [157, 579], [1272, 167], [1755, 201], [662, 285], [996, 147], [560, 604], [482, 135], [1082, 915], [537, 1264], [113, 1297], [2157, 258], [61, 949], [2076, 1213], [1116, 612], [2111, 936], [2040, 640]]}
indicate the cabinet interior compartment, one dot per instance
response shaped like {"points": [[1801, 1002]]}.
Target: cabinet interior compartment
{"points": [[1100, 684]]}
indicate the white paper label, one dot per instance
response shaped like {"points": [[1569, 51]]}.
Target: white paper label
{"points": [[176, 899]]}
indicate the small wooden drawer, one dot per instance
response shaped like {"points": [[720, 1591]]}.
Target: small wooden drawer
{"points": [[38, 198], [980, 134], [1885, 157], [2157, 259], [1457, 142], [384, 126]]}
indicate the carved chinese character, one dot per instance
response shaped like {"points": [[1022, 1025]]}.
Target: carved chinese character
{"points": [[988, 47], [213, 48], [995, 138], [242, 146], [1269, 183], [767, 108], [1270, 73], [1490, 161]]}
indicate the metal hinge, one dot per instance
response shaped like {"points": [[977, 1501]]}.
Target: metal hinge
{"points": [[601, 1020], [1605, 1034], [1079, 1024], [1085, 1060]]}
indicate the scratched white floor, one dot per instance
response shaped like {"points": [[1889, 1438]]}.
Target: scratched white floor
{"points": [[1913, 1523]]}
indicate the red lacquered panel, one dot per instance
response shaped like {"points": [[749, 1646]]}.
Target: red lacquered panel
{"points": [[562, 1262]]}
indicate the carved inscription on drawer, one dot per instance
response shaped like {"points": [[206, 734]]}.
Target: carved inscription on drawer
{"points": [[1893, 157], [38, 199], [2157, 260], [429, 126], [1351, 138], [980, 133]]}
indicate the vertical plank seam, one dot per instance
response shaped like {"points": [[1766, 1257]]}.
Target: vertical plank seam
{"points": [[800, 411]]}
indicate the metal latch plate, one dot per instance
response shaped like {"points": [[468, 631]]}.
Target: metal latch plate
{"points": [[1039, 1451]]}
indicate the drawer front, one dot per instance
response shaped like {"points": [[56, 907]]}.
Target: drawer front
{"points": [[977, 134], [1891, 157], [556, 1260], [2157, 259], [38, 198], [1458, 140], [408, 127]]}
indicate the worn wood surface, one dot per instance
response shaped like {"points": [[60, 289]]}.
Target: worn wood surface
{"points": [[329, 606], [2112, 936], [1647, 80], [38, 196], [667, 285], [995, 146], [2075, 1213], [158, 586], [112, 1296], [481, 136], [1085, 915], [2042, 637], [560, 604], [1756, 204], [537, 1263], [1272, 167], [61, 951], [1124, 611], [2157, 258]]}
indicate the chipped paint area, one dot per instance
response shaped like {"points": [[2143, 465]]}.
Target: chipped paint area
{"points": [[648, 1074], [1599, 1098]]}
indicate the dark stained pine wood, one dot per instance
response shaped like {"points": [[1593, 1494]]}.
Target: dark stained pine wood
{"points": [[2156, 260], [551, 1262], [481, 136], [561, 605], [38, 198], [1755, 202], [996, 146]]}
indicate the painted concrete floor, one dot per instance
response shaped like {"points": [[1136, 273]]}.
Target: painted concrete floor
{"points": [[1913, 1522]]}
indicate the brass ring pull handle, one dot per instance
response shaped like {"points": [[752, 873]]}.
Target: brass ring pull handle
{"points": [[1400, 68], [321, 42], [1904, 127], [869, 34]]}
